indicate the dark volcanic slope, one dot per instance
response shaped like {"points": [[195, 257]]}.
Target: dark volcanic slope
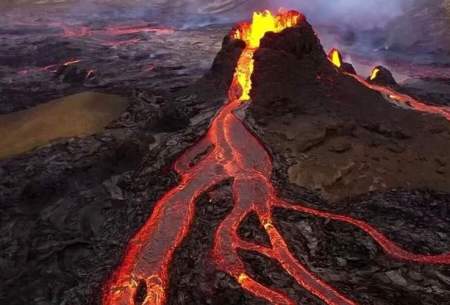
{"points": [[344, 139]]}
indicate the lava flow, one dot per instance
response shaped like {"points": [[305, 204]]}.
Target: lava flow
{"points": [[335, 57], [395, 97], [374, 74], [238, 155]]}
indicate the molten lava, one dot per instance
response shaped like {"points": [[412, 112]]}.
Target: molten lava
{"points": [[236, 154], [335, 57], [374, 73], [251, 34]]}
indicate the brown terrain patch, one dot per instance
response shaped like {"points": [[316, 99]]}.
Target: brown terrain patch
{"points": [[72, 116], [340, 160]]}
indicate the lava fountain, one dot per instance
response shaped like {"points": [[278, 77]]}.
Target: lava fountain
{"points": [[335, 57], [237, 155], [374, 73]]}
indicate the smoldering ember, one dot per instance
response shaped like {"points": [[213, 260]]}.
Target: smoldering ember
{"points": [[228, 152]]}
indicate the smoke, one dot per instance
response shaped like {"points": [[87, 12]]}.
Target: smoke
{"points": [[355, 14], [359, 28]]}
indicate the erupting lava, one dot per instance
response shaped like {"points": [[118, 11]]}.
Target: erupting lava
{"points": [[335, 57], [374, 73], [239, 156], [251, 34]]}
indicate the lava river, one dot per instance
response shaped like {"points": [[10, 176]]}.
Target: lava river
{"points": [[230, 151]]}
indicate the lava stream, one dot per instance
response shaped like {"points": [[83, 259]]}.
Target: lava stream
{"points": [[239, 155], [403, 100]]}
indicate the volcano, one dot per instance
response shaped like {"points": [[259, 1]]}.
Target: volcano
{"points": [[286, 84], [278, 175]]}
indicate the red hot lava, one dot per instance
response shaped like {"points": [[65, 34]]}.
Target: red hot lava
{"points": [[239, 155], [403, 100]]}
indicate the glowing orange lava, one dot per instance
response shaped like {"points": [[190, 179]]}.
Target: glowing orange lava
{"points": [[405, 100], [374, 73], [251, 34], [394, 96], [236, 154], [335, 57]]}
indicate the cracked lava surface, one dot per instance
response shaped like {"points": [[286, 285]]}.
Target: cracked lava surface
{"points": [[230, 151]]}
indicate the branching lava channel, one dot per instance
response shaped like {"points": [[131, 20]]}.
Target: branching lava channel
{"points": [[236, 154]]}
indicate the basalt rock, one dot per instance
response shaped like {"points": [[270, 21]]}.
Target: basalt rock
{"points": [[224, 64], [71, 74], [348, 67]]}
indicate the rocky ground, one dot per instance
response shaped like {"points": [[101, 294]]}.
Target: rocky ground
{"points": [[69, 208], [46, 56]]}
